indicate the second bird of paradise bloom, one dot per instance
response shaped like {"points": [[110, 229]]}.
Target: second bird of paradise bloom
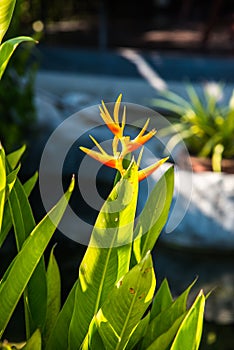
{"points": [[126, 144]]}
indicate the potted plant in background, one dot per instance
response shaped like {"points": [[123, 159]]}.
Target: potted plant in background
{"points": [[206, 125]]}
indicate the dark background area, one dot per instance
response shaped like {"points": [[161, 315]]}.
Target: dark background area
{"points": [[203, 26]]}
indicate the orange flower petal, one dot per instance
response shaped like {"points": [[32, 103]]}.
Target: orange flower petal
{"points": [[113, 126], [116, 109], [139, 141], [144, 173], [102, 158]]}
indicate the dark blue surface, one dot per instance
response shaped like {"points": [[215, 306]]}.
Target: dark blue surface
{"points": [[193, 68], [168, 66], [86, 62]]}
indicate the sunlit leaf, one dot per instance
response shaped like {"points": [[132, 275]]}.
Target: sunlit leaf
{"points": [[35, 342], [162, 300], [138, 333], [190, 331], [53, 295], [23, 223], [2, 183], [27, 259], [6, 11], [14, 157], [59, 335], [107, 258], [126, 304], [165, 320], [7, 221], [7, 49], [154, 215], [164, 340], [30, 184]]}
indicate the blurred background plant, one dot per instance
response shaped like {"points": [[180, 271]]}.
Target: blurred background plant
{"points": [[203, 121], [17, 108]]}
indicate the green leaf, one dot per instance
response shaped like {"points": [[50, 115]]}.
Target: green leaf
{"points": [[23, 222], [93, 339], [217, 157], [2, 183], [53, 295], [35, 342], [11, 178], [163, 299], [59, 335], [27, 260], [174, 97], [14, 157], [196, 102], [6, 11], [30, 184], [7, 221], [165, 320], [7, 49], [190, 331], [18, 218], [154, 215], [164, 341], [107, 258], [6, 224], [169, 106], [126, 304], [138, 333]]}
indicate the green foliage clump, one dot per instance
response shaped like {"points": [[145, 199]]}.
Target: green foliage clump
{"points": [[17, 110], [112, 303], [206, 126], [17, 119]]}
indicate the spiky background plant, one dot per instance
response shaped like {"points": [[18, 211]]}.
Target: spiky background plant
{"points": [[206, 126]]}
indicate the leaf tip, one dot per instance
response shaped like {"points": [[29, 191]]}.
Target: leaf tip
{"points": [[72, 184]]}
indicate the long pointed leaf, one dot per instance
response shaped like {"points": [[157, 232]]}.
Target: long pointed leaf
{"points": [[23, 222], [59, 335], [126, 304], [102, 267], [165, 320], [190, 331], [2, 183], [139, 332], [14, 157], [54, 295], [35, 342], [6, 11], [27, 260], [7, 49], [11, 179], [163, 299], [164, 341], [7, 221], [93, 339], [154, 215], [30, 184]]}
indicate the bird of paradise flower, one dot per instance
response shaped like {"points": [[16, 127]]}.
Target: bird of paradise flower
{"points": [[116, 160]]}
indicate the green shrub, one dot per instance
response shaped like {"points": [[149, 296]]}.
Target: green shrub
{"points": [[17, 111], [206, 126], [111, 305]]}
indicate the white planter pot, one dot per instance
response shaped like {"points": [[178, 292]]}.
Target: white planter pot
{"points": [[208, 221]]}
